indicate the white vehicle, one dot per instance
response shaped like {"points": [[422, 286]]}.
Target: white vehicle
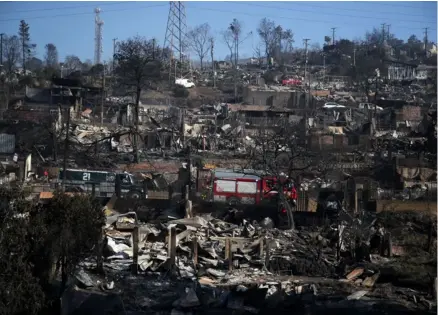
{"points": [[369, 106], [185, 83], [332, 105]]}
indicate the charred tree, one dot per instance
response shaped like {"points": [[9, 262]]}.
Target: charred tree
{"points": [[199, 41], [139, 64]]}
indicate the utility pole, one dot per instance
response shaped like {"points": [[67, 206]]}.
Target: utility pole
{"points": [[387, 30], [354, 56], [1, 49], [182, 126], [323, 60], [114, 53], [153, 48], [236, 32], [215, 131], [333, 35], [383, 32], [24, 55], [305, 52], [67, 131], [425, 40], [236, 52], [310, 94], [212, 61], [102, 95], [306, 40], [375, 95]]}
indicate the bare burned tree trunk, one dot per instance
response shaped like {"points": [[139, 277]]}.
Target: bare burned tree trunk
{"points": [[137, 122]]}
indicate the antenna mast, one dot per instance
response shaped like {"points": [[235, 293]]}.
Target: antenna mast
{"points": [[176, 41], [98, 47]]}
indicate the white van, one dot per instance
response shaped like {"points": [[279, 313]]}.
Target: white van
{"points": [[185, 83]]}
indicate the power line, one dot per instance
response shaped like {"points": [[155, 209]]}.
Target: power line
{"points": [[83, 13], [398, 5], [62, 8], [354, 10], [326, 13], [282, 17], [199, 8], [296, 3]]}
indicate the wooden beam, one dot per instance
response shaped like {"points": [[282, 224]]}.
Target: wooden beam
{"points": [[135, 240], [195, 251], [172, 247]]}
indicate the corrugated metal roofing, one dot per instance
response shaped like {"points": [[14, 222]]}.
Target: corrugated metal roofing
{"points": [[7, 143]]}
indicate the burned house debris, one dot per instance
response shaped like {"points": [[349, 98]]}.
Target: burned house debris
{"points": [[222, 266]]}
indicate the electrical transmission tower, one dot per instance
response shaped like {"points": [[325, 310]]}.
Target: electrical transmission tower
{"points": [[176, 41], [98, 47]]}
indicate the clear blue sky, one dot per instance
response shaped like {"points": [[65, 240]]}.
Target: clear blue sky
{"points": [[70, 25]]}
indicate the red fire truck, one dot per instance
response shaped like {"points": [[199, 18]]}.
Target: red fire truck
{"points": [[234, 188]]}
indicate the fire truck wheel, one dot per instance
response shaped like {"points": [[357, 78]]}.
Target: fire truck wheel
{"points": [[134, 195], [233, 201]]}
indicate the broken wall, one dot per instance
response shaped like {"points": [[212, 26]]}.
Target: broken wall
{"points": [[411, 113], [279, 99], [328, 141], [38, 116]]}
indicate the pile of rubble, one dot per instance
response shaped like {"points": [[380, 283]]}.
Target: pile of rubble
{"points": [[203, 264], [230, 265], [204, 242]]}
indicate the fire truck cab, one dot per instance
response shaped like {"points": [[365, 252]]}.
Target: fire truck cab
{"points": [[269, 184]]}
